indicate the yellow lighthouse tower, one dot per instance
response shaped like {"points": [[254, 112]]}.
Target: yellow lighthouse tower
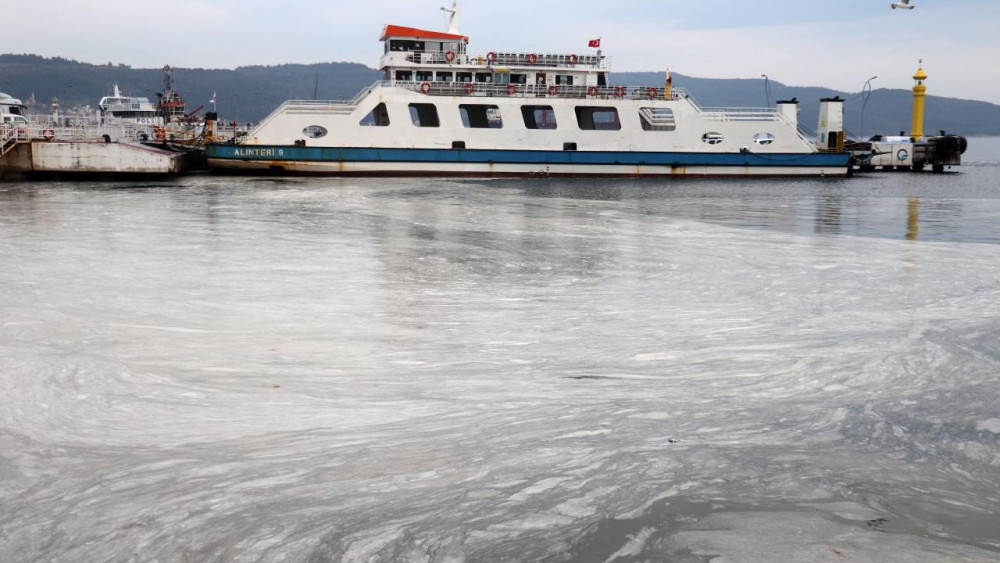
{"points": [[919, 94]]}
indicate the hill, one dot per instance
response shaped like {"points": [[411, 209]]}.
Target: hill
{"points": [[250, 93]]}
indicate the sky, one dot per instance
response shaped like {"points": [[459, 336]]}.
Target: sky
{"points": [[834, 43]]}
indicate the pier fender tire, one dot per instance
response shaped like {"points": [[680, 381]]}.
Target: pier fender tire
{"points": [[593, 91], [947, 146], [652, 93], [491, 57], [553, 90], [532, 58], [425, 87], [450, 56], [573, 59], [511, 89], [48, 134], [470, 88]]}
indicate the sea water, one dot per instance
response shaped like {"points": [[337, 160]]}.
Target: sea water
{"points": [[233, 369]]}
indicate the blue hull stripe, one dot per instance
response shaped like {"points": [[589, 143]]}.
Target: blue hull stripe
{"points": [[262, 153]]}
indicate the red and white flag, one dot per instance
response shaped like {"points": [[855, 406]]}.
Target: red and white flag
{"points": [[596, 43]]}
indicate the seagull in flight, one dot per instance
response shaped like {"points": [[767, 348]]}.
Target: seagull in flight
{"points": [[904, 5]]}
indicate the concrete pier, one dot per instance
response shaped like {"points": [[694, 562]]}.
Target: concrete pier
{"points": [[39, 157]]}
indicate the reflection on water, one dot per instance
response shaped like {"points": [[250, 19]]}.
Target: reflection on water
{"points": [[913, 219], [386, 370]]}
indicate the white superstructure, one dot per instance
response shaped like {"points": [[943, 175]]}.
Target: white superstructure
{"points": [[440, 110]]}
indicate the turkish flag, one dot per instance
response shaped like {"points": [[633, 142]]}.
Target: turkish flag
{"points": [[596, 43]]}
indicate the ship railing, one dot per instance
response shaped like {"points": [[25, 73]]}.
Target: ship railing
{"points": [[86, 130], [541, 60], [9, 137], [326, 106], [581, 92], [740, 114]]}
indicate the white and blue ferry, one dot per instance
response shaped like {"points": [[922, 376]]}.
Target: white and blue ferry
{"points": [[441, 111]]}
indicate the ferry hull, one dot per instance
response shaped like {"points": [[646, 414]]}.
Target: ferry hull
{"points": [[318, 161]]}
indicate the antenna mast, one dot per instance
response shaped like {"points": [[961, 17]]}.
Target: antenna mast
{"points": [[452, 15]]}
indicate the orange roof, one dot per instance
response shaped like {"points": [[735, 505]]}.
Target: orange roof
{"points": [[400, 31]]}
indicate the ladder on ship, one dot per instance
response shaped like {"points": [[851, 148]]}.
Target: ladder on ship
{"points": [[9, 137]]}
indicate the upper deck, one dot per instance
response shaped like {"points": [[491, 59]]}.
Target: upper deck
{"points": [[411, 48]]}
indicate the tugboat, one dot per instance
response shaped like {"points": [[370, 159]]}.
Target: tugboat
{"points": [[441, 111]]}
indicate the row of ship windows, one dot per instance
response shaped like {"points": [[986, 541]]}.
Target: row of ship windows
{"points": [[485, 116]]}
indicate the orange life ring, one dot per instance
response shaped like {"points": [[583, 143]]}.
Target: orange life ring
{"points": [[532, 58], [594, 91], [425, 87], [48, 134], [159, 133], [511, 89], [573, 59], [470, 88], [653, 93], [491, 57], [619, 91], [449, 56], [553, 90]]}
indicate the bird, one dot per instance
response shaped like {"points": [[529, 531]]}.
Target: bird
{"points": [[904, 5]]}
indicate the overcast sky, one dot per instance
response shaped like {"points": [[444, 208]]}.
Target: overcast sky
{"points": [[835, 43]]}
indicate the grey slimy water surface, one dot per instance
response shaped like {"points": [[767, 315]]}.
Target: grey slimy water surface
{"points": [[224, 369]]}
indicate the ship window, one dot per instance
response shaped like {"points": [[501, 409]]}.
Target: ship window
{"points": [[598, 118], [602, 80], [403, 45], [315, 132], [538, 117], [463, 77], [445, 76], [424, 115], [763, 138], [657, 119], [480, 116], [484, 77], [712, 138], [424, 76], [404, 75], [518, 78], [379, 117], [564, 80]]}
